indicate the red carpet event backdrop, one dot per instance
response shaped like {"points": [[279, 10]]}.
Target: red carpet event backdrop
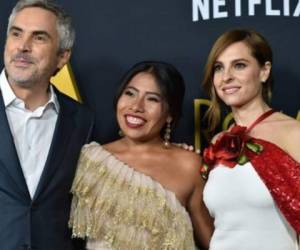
{"points": [[114, 35]]}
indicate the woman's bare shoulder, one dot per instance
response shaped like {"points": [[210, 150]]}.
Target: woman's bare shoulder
{"points": [[284, 131], [291, 136], [284, 124], [187, 160]]}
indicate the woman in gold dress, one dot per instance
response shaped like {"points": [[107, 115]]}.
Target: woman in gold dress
{"points": [[141, 192]]}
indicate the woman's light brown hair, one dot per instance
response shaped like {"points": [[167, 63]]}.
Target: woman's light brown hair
{"points": [[260, 50]]}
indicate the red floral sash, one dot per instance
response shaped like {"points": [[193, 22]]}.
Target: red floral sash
{"points": [[279, 171]]}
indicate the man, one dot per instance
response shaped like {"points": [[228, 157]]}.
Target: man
{"points": [[41, 130]]}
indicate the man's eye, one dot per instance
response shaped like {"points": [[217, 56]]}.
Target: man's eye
{"points": [[40, 38], [15, 34]]}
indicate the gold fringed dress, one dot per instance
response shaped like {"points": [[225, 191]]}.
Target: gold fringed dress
{"points": [[117, 207]]}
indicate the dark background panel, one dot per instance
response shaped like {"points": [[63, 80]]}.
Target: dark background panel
{"points": [[113, 35]]}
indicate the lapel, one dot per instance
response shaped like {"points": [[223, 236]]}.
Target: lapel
{"points": [[61, 138], [8, 154]]}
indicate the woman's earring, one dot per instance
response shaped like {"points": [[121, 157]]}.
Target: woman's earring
{"points": [[167, 135], [121, 134]]}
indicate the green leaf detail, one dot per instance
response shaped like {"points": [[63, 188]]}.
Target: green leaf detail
{"points": [[242, 159], [204, 171], [254, 147]]}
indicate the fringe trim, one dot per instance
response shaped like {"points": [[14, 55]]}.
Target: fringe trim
{"points": [[116, 204]]}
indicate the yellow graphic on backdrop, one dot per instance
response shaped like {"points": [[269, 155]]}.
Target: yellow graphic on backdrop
{"points": [[197, 119], [64, 80]]}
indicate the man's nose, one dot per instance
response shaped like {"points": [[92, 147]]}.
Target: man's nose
{"points": [[25, 44]]}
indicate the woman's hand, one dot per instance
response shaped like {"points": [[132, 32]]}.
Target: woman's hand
{"points": [[187, 147]]}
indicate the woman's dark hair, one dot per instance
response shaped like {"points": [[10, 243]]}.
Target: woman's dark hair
{"points": [[168, 79]]}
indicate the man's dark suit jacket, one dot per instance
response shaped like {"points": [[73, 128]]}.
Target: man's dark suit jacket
{"points": [[41, 223]]}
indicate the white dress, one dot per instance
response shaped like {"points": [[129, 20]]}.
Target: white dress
{"points": [[246, 217]]}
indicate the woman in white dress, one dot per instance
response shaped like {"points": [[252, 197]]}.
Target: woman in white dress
{"points": [[253, 169], [141, 192]]}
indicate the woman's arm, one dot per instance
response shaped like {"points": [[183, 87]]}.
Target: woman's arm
{"points": [[202, 222]]}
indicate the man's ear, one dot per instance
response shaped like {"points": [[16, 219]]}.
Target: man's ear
{"points": [[63, 58]]}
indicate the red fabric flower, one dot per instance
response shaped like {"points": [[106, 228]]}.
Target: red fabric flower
{"points": [[228, 150]]}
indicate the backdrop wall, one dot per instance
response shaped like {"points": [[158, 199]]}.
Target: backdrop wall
{"points": [[113, 35]]}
